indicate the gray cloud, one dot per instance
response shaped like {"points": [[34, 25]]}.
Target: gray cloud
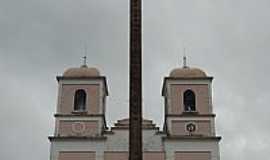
{"points": [[228, 39]]}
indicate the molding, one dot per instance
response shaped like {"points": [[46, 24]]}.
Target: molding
{"points": [[73, 138], [79, 121], [127, 128], [189, 78], [189, 115], [127, 151], [187, 121], [77, 152], [78, 115], [193, 138], [111, 132], [192, 151], [80, 112], [59, 78]]}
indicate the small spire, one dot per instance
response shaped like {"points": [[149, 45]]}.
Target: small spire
{"points": [[84, 57], [84, 60], [185, 59]]}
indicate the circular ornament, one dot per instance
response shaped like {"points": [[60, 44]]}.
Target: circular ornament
{"points": [[191, 127], [78, 127]]}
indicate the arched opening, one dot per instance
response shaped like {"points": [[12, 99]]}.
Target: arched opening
{"points": [[189, 101], [80, 100]]}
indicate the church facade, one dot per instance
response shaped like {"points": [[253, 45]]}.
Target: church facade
{"points": [[81, 132]]}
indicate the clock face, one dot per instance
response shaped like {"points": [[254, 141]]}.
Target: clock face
{"points": [[191, 127], [78, 127]]}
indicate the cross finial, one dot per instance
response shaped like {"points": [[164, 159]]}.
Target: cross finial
{"points": [[85, 58], [185, 59]]}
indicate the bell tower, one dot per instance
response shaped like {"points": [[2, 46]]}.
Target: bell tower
{"points": [[81, 103], [188, 102], [189, 118]]}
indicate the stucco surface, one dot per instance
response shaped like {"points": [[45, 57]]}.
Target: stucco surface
{"points": [[192, 156], [116, 156], [124, 156], [78, 128], [154, 156], [202, 127], [77, 156]]}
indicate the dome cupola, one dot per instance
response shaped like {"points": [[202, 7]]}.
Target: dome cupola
{"points": [[83, 72], [187, 72]]}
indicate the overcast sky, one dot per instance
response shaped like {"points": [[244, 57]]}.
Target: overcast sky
{"points": [[229, 39]]}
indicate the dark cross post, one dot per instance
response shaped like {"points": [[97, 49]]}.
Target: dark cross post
{"points": [[135, 106]]}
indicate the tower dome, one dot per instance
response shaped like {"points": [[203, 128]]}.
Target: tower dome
{"points": [[82, 72], [187, 72]]}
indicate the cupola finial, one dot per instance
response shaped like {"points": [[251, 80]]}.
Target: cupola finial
{"points": [[85, 57], [185, 59]]}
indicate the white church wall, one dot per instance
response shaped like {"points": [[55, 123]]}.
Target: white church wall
{"points": [[173, 146], [83, 145], [115, 142], [119, 141]]}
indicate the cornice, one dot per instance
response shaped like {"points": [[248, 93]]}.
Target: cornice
{"points": [[78, 115], [193, 138], [73, 138], [189, 115]]}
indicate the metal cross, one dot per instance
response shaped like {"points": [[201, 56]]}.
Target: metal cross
{"points": [[185, 59], [84, 60]]}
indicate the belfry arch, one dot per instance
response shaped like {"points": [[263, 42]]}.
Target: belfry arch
{"points": [[80, 100], [189, 99]]}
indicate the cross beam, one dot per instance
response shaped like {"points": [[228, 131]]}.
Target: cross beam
{"points": [[135, 105]]}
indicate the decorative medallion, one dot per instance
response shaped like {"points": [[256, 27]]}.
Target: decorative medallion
{"points": [[78, 127], [191, 128]]}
